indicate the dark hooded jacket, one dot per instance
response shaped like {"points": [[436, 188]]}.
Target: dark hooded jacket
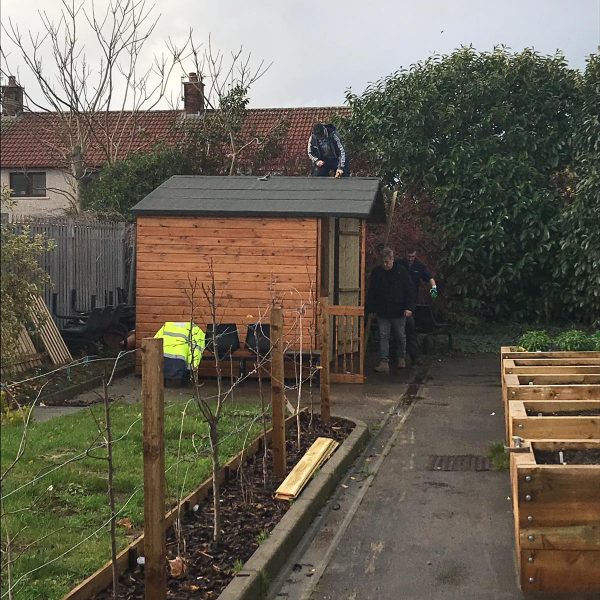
{"points": [[390, 292]]}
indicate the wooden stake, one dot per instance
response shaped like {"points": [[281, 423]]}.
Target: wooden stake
{"points": [[277, 393], [155, 550], [324, 375]]}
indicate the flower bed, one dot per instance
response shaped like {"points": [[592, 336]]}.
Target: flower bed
{"points": [[249, 515]]}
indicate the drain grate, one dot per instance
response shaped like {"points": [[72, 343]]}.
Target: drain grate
{"points": [[460, 462]]}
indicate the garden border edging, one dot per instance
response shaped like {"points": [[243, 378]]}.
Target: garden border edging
{"points": [[252, 582]]}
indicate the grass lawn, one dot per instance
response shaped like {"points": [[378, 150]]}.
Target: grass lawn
{"points": [[65, 505]]}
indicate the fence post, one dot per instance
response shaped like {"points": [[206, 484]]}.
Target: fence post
{"points": [[277, 393], [324, 372], [155, 550]]}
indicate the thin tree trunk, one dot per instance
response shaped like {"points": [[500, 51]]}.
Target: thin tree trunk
{"points": [[111, 495], [214, 455]]}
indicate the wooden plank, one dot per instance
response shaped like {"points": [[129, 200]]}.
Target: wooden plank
{"points": [[555, 370], [182, 249], [560, 571], [192, 241], [573, 537], [227, 267], [548, 427], [357, 311], [558, 405], [250, 232], [562, 379], [526, 362], [346, 378], [49, 334], [273, 258], [509, 352], [553, 392], [320, 450], [560, 493], [225, 222]]}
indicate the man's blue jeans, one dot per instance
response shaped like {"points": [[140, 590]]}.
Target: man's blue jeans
{"points": [[385, 328]]}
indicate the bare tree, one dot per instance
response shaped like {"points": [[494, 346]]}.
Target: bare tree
{"points": [[224, 83], [92, 104]]}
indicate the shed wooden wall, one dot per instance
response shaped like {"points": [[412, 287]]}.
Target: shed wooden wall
{"points": [[255, 260]]}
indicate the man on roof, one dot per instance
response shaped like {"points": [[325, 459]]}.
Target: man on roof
{"points": [[326, 152]]}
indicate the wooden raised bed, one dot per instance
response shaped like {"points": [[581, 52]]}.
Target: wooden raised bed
{"points": [[554, 427], [565, 379], [557, 520], [552, 387], [512, 352]]}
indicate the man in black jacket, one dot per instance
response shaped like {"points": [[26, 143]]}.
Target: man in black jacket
{"points": [[418, 272], [391, 297], [326, 152]]}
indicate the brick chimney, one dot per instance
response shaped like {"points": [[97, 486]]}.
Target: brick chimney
{"points": [[12, 98], [193, 95]]}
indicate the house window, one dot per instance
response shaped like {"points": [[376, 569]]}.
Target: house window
{"points": [[27, 184]]}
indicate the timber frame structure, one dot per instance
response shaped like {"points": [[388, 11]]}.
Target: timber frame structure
{"points": [[265, 241]]}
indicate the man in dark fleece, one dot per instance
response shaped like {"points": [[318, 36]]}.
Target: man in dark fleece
{"points": [[391, 297], [326, 152]]}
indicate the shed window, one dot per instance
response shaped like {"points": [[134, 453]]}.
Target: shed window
{"points": [[27, 184]]}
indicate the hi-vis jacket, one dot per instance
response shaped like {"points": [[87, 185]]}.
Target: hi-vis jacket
{"points": [[183, 344]]}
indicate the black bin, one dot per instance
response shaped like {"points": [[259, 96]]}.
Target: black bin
{"points": [[258, 338], [223, 340]]}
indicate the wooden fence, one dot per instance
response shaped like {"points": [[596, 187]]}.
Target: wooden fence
{"points": [[91, 257]]}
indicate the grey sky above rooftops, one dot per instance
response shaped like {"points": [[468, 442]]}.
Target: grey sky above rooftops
{"points": [[318, 51]]}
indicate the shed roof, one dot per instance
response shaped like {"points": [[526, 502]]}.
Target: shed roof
{"points": [[182, 195]]}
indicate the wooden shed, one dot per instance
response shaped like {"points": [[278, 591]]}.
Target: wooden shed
{"points": [[290, 240]]}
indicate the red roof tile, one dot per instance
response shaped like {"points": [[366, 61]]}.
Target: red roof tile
{"points": [[33, 140]]}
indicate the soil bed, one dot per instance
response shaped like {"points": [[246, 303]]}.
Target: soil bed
{"points": [[248, 512], [61, 387], [570, 457], [588, 412]]}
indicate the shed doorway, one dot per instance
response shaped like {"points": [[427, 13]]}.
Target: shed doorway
{"points": [[346, 294]]}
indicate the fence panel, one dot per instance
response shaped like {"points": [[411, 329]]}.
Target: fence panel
{"points": [[90, 258]]}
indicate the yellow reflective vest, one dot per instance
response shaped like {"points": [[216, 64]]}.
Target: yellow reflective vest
{"points": [[182, 341]]}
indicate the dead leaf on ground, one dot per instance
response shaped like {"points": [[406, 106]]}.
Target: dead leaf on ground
{"points": [[178, 567], [125, 522]]}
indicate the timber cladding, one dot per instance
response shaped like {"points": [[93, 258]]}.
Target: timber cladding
{"points": [[255, 260]]}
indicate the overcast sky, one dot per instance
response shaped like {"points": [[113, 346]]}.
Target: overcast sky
{"points": [[319, 50]]}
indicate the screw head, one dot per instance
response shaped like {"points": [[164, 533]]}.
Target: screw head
{"points": [[531, 579], [528, 498], [527, 477], [530, 558], [520, 425], [530, 518], [531, 538]]}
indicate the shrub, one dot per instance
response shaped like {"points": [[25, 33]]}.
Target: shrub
{"points": [[574, 340], [22, 277], [595, 341], [535, 341]]}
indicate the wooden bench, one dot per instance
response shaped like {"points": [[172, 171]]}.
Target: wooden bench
{"points": [[244, 359]]}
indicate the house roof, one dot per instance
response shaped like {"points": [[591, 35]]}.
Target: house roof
{"points": [[33, 140], [195, 195]]}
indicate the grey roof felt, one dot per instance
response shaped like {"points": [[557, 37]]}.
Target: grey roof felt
{"points": [[190, 195]]}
